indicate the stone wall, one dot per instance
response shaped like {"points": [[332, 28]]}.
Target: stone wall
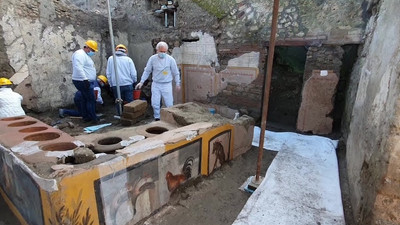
{"points": [[323, 58], [326, 21], [373, 132]]}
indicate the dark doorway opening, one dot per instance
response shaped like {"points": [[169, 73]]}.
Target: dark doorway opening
{"points": [[286, 86]]}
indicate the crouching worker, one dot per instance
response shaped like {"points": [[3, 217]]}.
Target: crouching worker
{"points": [[10, 101], [102, 82]]}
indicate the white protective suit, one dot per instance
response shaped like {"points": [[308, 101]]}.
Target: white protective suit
{"points": [[10, 103], [163, 70]]}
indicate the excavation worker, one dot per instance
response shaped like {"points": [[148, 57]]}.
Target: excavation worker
{"points": [[78, 98], [102, 82], [84, 78], [164, 69], [10, 101], [127, 75]]}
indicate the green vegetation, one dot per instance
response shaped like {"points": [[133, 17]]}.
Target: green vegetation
{"points": [[218, 8]]}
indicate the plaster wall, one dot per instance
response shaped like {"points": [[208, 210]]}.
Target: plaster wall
{"points": [[372, 143]]}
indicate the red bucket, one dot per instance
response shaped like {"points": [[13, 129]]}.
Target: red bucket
{"points": [[136, 94]]}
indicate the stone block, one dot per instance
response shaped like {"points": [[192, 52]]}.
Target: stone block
{"points": [[243, 135], [135, 106], [317, 103], [132, 115], [128, 122]]}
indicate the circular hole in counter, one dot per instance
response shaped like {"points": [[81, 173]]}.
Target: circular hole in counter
{"points": [[61, 146], [46, 136], [12, 118], [156, 130], [109, 141], [21, 124], [32, 129], [108, 145]]}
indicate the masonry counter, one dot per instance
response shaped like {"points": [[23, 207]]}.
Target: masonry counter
{"points": [[118, 187]]}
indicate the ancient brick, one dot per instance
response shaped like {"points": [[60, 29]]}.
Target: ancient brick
{"points": [[132, 115], [135, 106]]}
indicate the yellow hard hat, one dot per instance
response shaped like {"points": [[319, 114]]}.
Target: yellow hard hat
{"points": [[103, 78], [121, 46], [91, 44], [5, 81]]}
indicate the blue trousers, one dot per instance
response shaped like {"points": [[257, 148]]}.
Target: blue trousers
{"points": [[88, 111], [78, 103], [126, 94]]}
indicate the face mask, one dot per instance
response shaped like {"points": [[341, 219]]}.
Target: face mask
{"points": [[90, 54], [100, 82], [161, 55]]}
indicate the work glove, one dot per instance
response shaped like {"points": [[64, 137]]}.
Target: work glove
{"points": [[139, 86], [87, 84]]}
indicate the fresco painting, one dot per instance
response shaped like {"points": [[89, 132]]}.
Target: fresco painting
{"points": [[219, 150], [20, 188], [121, 193]]}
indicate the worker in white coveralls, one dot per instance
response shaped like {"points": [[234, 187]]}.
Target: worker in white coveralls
{"points": [[84, 78], [127, 75], [164, 69], [10, 101]]}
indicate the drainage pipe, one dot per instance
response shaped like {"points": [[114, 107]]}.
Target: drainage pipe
{"points": [[270, 60], [118, 100]]}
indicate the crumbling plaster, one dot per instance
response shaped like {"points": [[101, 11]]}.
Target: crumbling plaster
{"points": [[372, 149], [39, 51]]}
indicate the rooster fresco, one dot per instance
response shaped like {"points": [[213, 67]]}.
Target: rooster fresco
{"points": [[173, 181], [134, 189]]}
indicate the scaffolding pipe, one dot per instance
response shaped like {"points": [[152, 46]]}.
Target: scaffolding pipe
{"points": [[267, 84], [165, 18], [174, 17], [118, 100]]}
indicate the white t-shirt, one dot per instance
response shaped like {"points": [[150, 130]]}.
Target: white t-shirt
{"points": [[10, 103]]}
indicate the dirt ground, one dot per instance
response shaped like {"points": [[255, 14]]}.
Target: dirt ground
{"points": [[215, 199]]}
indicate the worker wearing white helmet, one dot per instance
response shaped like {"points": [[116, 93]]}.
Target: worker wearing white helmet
{"points": [[164, 70], [10, 101], [84, 78], [127, 75]]}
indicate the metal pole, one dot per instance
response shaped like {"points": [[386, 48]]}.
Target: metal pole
{"points": [[165, 18], [118, 100], [270, 60], [174, 17]]}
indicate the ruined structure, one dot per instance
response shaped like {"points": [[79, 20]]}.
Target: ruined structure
{"points": [[220, 46], [143, 166]]}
